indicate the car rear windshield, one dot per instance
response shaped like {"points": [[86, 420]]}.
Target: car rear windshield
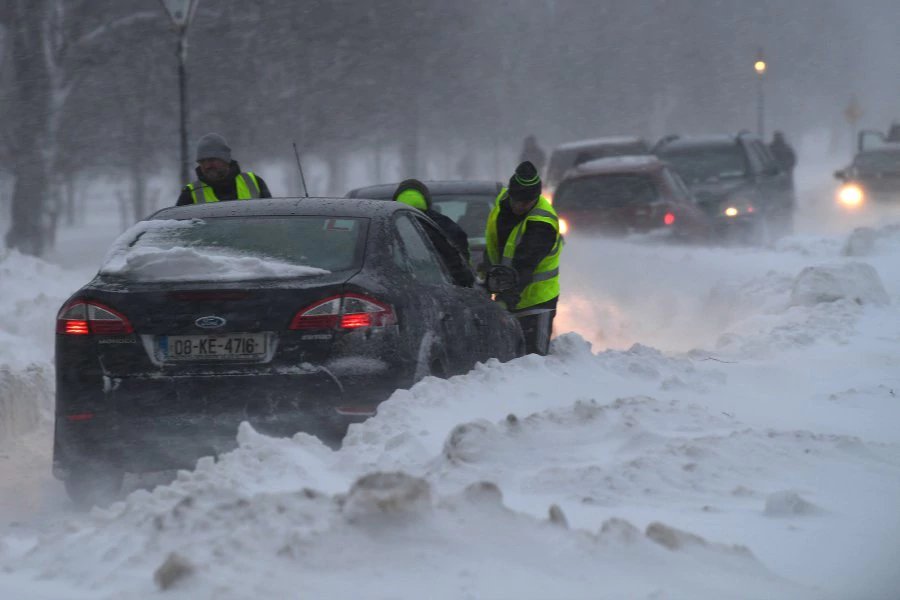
{"points": [[882, 162], [613, 190], [470, 211], [707, 163], [236, 248]]}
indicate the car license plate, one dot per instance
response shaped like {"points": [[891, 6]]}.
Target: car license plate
{"points": [[235, 346]]}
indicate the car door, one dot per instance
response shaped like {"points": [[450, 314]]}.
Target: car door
{"points": [[468, 303], [441, 349], [772, 184]]}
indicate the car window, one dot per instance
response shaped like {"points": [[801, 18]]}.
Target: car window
{"points": [[422, 258], [613, 190], [754, 158], [469, 211], [236, 248], [769, 162], [884, 162], [697, 164], [679, 190]]}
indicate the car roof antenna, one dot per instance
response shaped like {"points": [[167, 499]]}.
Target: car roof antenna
{"points": [[299, 166]]}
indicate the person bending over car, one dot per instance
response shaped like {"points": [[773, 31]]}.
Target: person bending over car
{"points": [[219, 178], [416, 194], [523, 233]]}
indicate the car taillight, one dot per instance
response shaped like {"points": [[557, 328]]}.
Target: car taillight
{"points": [[348, 311], [669, 218], [85, 317]]}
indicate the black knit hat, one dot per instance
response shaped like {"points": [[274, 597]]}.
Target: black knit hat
{"points": [[525, 184]]}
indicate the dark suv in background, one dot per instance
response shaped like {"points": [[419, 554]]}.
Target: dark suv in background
{"points": [[736, 180]]}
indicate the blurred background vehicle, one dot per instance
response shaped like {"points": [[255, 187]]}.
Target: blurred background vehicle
{"points": [[737, 181], [628, 194], [873, 177], [571, 154], [468, 203]]}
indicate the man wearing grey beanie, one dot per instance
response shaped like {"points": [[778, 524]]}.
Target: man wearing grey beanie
{"points": [[219, 178]]}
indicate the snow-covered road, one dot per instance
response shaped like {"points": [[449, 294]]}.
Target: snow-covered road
{"points": [[718, 423]]}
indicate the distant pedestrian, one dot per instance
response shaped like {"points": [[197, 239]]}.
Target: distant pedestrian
{"points": [[533, 153], [894, 132], [783, 153], [219, 178]]}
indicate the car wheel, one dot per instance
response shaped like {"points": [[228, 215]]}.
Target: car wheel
{"points": [[89, 486]]}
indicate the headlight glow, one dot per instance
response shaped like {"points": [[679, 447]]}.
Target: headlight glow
{"points": [[851, 195], [563, 226], [731, 211]]}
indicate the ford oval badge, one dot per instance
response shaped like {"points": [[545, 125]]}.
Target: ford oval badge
{"points": [[209, 322]]}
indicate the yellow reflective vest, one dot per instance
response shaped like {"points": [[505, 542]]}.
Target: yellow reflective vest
{"points": [[245, 183], [544, 284]]}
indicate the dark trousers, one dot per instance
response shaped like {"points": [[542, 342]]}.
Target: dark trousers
{"points": [[537, 325]]}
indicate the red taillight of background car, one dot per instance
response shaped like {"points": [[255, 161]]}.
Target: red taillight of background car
{"points": [[669, 218], [86, 317], [347, 311]]}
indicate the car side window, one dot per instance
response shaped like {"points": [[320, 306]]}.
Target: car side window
{"points": [[455, 264], [756, 160], [419, 252], [769, 163], [679, 191]]}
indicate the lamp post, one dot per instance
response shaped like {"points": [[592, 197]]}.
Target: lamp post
{"points": [[180, 12], [760, 67]]}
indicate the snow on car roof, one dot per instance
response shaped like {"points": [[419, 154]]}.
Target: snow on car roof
{"points": [[617, 163], [690, 141], [386, 190], [602, 141], [342, 207]]}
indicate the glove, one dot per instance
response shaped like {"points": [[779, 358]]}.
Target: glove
{"points": [[509, 298]]}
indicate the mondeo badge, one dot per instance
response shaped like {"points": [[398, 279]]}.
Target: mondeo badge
{"points": [[209, 322]]}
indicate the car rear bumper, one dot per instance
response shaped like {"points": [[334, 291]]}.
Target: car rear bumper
{"points": [[150, 423]]}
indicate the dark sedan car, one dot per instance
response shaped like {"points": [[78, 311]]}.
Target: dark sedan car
{"points": [[467, 202], [628, 194], [292, 314]]}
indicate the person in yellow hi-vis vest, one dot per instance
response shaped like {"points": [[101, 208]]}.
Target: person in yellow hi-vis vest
{"points": [[219, 178], [523, 233]]}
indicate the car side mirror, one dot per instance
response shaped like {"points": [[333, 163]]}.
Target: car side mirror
{"points": [[501, 278]]}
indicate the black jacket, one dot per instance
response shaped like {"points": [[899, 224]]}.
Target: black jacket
{"points": [[784, 155], [537, 242], [227, 190], [453, 231]]}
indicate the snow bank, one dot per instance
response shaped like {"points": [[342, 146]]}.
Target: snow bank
{"points": [[31, 292], [867, 241], [856, 282], [467, 543], [26, 400]]}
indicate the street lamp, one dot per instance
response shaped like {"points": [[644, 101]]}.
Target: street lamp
{"points": [[181, 11], [760, 67]]}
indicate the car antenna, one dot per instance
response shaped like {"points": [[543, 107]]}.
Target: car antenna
{"points": [[299, 166]]}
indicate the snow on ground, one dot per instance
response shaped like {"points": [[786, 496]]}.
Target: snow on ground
{"points": [[731, 433]]}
